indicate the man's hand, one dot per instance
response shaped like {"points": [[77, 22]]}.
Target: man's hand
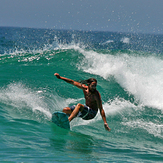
{"points": [[107, 127], [57, 75]]}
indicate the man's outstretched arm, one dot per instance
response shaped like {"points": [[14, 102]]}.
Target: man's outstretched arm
{"points": [[70, 81], [63, 78]]}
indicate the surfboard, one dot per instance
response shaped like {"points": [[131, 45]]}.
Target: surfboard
{"points": [[61, 120]]}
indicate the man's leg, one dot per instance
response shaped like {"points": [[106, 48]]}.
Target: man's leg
{"points": [[79, 107]]}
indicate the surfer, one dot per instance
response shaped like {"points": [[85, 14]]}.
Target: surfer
{"points": [[92, 98]]}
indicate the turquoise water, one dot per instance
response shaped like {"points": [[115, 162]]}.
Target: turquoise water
{"points": [[129, 70]]}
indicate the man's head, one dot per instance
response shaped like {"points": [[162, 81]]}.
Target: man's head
{"points": [[92, 83], [89, 81]]}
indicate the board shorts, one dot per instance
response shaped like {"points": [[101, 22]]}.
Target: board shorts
{"points": [[86, 114]]}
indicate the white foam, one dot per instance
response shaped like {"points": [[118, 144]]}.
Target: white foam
{"points": [[118, 105], [19, 97], [125, 40], [107, 42], [150, 127]]}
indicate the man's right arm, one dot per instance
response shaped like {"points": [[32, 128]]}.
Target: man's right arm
{"points": [[70, 81], [63, 78]]}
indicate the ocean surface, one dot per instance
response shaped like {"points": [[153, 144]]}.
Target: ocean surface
{"points": [[129, 71]]}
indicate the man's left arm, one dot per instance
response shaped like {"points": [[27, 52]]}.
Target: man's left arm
{"points": [[102, 112]]}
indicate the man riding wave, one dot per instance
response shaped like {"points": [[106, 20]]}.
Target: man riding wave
{"points": [[92, 100]]}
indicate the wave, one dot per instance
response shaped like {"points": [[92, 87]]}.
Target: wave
{"points": [[125, 40], [139, 73], [107, 42]]}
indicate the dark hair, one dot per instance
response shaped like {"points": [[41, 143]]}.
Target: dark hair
{"points": [[88, 81]]}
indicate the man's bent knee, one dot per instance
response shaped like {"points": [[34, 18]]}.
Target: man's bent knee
{"points": [[81, 106], [67, 110]]}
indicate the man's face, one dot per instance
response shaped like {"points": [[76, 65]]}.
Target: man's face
{"points": [[92, 86]]}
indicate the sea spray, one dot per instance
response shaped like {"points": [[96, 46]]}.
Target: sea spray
{"points": [[23, 100]]}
